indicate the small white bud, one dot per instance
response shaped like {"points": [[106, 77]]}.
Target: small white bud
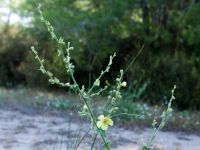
{"points": [[121, 71], [169, 110], [85, 107], [97, 82], [119, 96], [117, 79], [67, 84], [109, 97], [124, 84]]}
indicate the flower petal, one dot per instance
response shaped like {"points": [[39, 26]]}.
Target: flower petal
{"points": [[99, 124], [104, 127], [110, 122], [101, 117]]}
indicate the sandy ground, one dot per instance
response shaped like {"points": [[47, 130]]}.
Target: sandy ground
{"points": [[47, 132]]}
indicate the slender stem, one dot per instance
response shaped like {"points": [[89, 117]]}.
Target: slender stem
{"points": [[134, 59], [95, 137], [89, 110], [78, 136], [81, 139], [149, 145], [126, 114], [102, 73], [68, 133]]}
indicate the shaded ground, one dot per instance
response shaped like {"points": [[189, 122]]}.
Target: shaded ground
{"points": [[40, 132]]}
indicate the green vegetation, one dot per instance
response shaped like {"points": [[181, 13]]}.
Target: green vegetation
{"points": [[169, 31], [111, 107]]}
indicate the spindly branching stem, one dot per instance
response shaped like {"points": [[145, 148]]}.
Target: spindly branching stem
{"points": [[114, 97], [84, 95]]}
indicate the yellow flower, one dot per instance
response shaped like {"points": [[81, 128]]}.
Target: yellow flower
{"points": [[104, 122]]}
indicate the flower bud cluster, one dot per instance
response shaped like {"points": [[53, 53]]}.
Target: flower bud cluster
{"points": [[168, 111], [110, 63], [97, 81], [52, 78], [164, 116], [115, 94], [67, 60], [83, 93], [84, 111], [60, 42], [99, 91]]}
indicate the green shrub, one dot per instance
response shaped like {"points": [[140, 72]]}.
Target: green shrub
{"points": [[12, 56], [163, 70]]}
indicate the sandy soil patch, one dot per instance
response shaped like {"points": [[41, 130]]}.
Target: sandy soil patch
{"points": [[46, 132]]}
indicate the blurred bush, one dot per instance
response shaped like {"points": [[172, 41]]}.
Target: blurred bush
{"points": [[12, 54], [165, 69], [170, 31]]}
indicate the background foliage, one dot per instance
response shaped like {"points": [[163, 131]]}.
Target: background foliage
{"points": [[170, 31]]}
